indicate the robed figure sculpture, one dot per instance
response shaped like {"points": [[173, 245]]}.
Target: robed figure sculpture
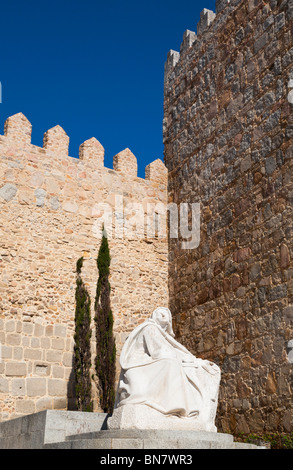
{"points": [[162, 385]]}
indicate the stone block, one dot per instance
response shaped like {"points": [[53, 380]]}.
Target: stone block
{"points": [[57, 387], [67, 359], [18, 388], [57, 372], [27, 328], [279, 22], [40, 196], [32, 353], [4, 385], [13, 339], [36, 387], [10, 326], [172, 59], [56, 140], [16, 369], [60, 330], [53, 356], [221, 4], [70, 206], [76, 430], [49, 330], [45, 343], [38, 330], [19, 129], [58, 344], [35, 342], [42, 369], [6, 352], [92, 151], [156, 171], [60, 403], [8, 192], [288, 311], [25, 406], [72, 423], [143, 417], [44, 403], [206, 18], [271, 165], [189, 37], [125, 162], [260, 42], [284, 257]]}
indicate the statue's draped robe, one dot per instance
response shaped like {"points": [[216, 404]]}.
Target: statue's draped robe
{"points": [[159, 372]]}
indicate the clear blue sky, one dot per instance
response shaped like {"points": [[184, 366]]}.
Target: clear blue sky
{"points": [[95, 68]]}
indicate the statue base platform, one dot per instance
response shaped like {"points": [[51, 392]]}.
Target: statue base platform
{"points": [[151, 439], [145, 417], [54, 429]]}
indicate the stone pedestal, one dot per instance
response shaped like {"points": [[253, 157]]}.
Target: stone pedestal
{"points": [[145, 417], [151, 439], [76, 430], [48, 427]]}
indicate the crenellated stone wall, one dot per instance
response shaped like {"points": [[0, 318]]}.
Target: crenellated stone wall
{"points": [[52, 208], [227, 131], [228, 121]]}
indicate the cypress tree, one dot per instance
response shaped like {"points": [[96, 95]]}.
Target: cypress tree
{"points": [[105, 342], [82, 346]]}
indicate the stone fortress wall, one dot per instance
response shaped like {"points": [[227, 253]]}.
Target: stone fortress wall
{"points": [[228, 128], [50, 217]]}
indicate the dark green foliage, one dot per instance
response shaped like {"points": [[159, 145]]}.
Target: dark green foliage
{"points": [[79, 265], [274, 440], [82, 347], [105, 343]]}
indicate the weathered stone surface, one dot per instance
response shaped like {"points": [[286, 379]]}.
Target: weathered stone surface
{"points": [[52, 210], [285, 256], [39, 429], [8, 192], [76, 430], [35, 387], [15, 369], [232, 296]]}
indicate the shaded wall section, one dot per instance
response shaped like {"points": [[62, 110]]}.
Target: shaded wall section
{"points": [[228, 128]]}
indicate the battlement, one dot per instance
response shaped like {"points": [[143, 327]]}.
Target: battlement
{"points": [[209, 23], [18, 131]]}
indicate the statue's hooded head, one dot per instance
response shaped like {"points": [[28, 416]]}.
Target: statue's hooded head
{"points": [[163, 317]]}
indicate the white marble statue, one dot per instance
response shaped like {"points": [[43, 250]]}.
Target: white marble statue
{"points": [[162, 385]]}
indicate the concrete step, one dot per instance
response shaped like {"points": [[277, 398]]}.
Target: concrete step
{"points": [[150, 439], [162, 434], [147, 444]]}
